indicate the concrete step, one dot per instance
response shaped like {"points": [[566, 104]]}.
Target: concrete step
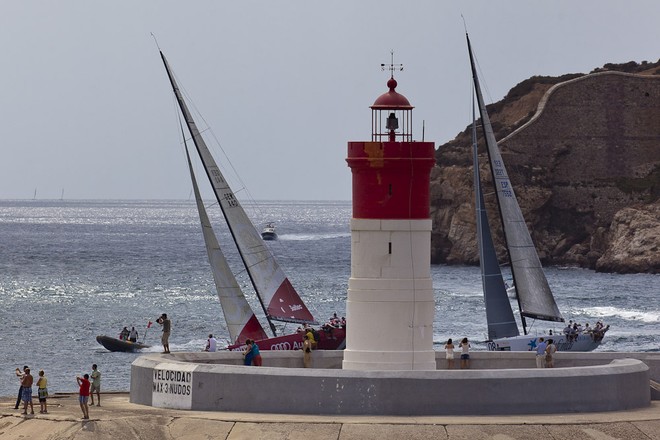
{"points": [[655, 390]]}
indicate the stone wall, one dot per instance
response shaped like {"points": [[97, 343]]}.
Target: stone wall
{"points": [[589, 155]]}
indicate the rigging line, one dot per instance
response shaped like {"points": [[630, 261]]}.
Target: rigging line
{"points": [[199, 116], [183, 142], [244, 187], [234, 173], [177, 118], [482, 81]]}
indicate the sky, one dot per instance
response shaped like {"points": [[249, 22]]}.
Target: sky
{"points": [[86, 109]]}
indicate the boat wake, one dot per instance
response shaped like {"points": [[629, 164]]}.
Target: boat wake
{"points": [[192, 345], [630, 315], [310, 237]]}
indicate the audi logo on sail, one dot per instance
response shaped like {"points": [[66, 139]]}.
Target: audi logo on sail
{"points": [[281, 346]]}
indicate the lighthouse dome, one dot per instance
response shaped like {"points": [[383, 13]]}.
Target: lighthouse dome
{"points": [[391, 100]]}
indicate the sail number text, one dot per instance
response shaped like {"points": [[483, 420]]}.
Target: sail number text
{"points": [[230, 200], [505, 189], [217, 177]]}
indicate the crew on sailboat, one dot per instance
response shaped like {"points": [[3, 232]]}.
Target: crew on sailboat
{"points": [[574, 329], [598, 333], [333, 323]]}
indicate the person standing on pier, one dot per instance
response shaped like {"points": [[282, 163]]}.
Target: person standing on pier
{"points": [[465, 353], [307, 352], [256, 356], [42, 392], [549, 351], [211, 344], [540, 353], [167, 328], [247, 353], [449, 354], [96, 386], [20, 374], [83, 394], [26, 383]]}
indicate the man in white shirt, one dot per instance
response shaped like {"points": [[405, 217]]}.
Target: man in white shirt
{"points": [[211, 344], [133, 335]]}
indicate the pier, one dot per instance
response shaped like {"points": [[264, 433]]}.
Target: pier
{"points": [[498, 383]]}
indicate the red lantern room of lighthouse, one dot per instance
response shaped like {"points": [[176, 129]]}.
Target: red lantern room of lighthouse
{"points": [[391, 173], [390, 304]]}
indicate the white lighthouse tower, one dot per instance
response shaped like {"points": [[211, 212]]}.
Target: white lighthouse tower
{"points": [[390, 304]]}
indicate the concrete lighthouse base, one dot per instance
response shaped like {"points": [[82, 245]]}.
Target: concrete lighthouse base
{"points": [[390, 305], [394, 329]]}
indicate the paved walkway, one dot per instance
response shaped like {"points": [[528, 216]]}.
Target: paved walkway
{"points": [[117, 419]]}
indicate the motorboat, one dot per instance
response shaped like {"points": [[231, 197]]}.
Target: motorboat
{"points": [[115, 344], [268, 233]]}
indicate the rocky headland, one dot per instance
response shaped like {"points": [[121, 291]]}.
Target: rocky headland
{"points": [[583, 155]]}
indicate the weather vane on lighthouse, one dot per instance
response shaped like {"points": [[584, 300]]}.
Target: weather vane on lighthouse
{"points": [[392, 67]]}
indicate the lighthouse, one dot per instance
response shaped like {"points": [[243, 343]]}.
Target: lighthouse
{"points": [[390, 305]]}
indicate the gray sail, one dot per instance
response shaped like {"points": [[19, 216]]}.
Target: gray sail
{"points": [[534, 295], [241, 321], [276, 294], [499, 315]]}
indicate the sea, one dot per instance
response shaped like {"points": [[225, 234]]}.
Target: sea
{"points": [[74, 269]]}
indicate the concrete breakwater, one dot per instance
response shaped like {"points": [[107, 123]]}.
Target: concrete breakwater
{"points": [[497, 383]]}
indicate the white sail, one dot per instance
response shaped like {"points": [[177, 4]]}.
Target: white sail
{"points": [[277, 295], [241, 322]]}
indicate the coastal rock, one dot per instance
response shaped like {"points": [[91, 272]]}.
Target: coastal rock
{"points": [[634, 244], [585, 166]]}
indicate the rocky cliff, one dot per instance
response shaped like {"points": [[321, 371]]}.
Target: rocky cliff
{"points": [[583, 154]]}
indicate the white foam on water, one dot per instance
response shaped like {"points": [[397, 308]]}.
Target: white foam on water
{"points": [[632, 315], [308, 237]]}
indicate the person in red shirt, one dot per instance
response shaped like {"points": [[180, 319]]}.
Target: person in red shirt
{"points": [[83, 382]]}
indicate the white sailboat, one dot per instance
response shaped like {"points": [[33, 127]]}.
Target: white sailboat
{"points": [[535, 299], [278, 298]]}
